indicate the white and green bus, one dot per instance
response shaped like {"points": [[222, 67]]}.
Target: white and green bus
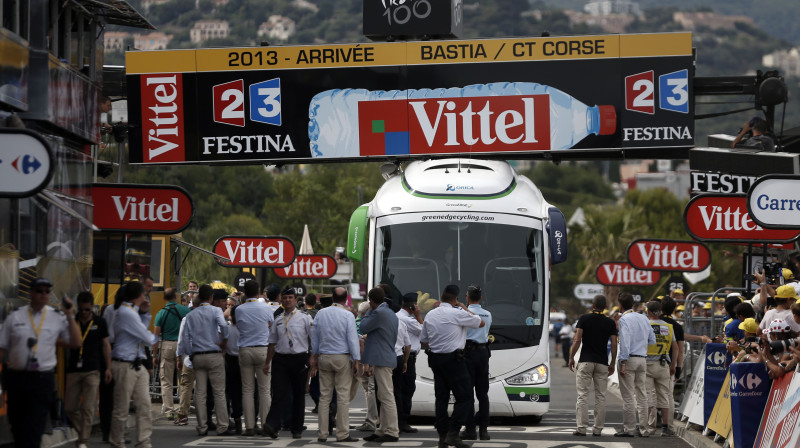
{"points": [[463, 221]]}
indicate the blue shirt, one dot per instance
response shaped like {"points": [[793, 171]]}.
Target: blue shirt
{"points": [[480, 335], [732, 330], [202, 328], [334, 333], [635, 334], [131, 333], [253, 319], [380, 327]]}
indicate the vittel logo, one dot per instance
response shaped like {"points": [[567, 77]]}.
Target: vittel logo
{"points": [[162, 118], [134, 208], [451, 187], [255, 251], [482, 122]]}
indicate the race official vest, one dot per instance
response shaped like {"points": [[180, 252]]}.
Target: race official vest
{"points": [[663, 332]]}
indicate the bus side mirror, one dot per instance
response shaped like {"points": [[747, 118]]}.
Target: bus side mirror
{"points": [[557, 231]]}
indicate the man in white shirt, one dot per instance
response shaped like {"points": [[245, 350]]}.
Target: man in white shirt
{"points": [[444, 334], [635, 334], [287, 361], [254, 319], [29, 337], [410, 315], [336, 353]]}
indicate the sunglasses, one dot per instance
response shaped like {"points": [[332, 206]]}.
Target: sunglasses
{"points": [[85, 309], [41, 291]]}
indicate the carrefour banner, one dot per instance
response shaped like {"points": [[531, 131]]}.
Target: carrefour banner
{"points": [[716, 360], [750, 385], [505, 97]]}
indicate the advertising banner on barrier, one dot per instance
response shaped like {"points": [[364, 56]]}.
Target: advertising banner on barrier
{"points": [[692, 406], [787, 434], [771, 419], [720, 419], [750, 384], [715, 371]]}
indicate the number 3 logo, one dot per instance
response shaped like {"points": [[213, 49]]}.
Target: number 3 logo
{"points": [[265, 102], [674, 88]]}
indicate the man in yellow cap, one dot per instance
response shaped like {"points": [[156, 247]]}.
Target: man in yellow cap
{"points": [[785, 296], [707, 309], [678, 295], [750, 327], [679, 311]]}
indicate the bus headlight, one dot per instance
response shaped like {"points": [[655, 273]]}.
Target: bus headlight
{"points": [[536, 375]]}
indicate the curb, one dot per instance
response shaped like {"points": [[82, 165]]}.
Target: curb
{"points": [[694, 437]]}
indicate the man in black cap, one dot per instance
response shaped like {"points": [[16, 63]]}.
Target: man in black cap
{"points": [[410, 315], [444, 334], [29, 337]]}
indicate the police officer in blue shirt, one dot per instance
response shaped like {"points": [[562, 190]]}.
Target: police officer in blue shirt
{"points": [[476, 354]]}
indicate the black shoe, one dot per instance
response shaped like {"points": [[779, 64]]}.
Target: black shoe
{"points": [[348, 439], [408, 429], [268, 431], [453, 439], [386, 438], [227, 432], [212, 426], [297, 435], [469, 435], [372, 437], [286, 428], [623, 434], [237, 423], [199, 434], [484, 434], [578, 433], [314, 411]]}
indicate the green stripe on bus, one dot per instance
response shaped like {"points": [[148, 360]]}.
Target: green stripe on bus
{"points": [[528, 390]]}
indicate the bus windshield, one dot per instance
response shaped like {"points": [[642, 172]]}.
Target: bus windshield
{"points": [[502, 254]]}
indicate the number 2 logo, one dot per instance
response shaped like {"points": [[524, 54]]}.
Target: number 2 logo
{"points": [[639, 91], [229, 103]]}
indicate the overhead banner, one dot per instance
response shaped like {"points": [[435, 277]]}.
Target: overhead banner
{"points": [[750, 384], [724, 218], [668, 255], [411, 99]]}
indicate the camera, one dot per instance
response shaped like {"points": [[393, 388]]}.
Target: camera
{"points": [[773, 273], [783, 346]]}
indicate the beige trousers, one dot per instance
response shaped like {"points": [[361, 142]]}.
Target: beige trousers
{"points": [[335, 371], [368, 385], [80, 401], [634, 394], [388, 414], [166, 368], [130, 383], [591, 375], [210, 367], [659, 392], [187, 387], [251, 364]]}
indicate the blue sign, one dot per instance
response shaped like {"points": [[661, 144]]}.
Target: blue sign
{"points": [[716, 361], [750, 385], [674, 91], [265, 102], [557, 229]]}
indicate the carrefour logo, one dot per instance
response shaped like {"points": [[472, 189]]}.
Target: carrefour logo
{"points": [[451, 187], [716, 358]]}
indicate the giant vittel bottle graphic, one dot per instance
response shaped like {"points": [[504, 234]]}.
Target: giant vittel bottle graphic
{"points": [[496, 117]]}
